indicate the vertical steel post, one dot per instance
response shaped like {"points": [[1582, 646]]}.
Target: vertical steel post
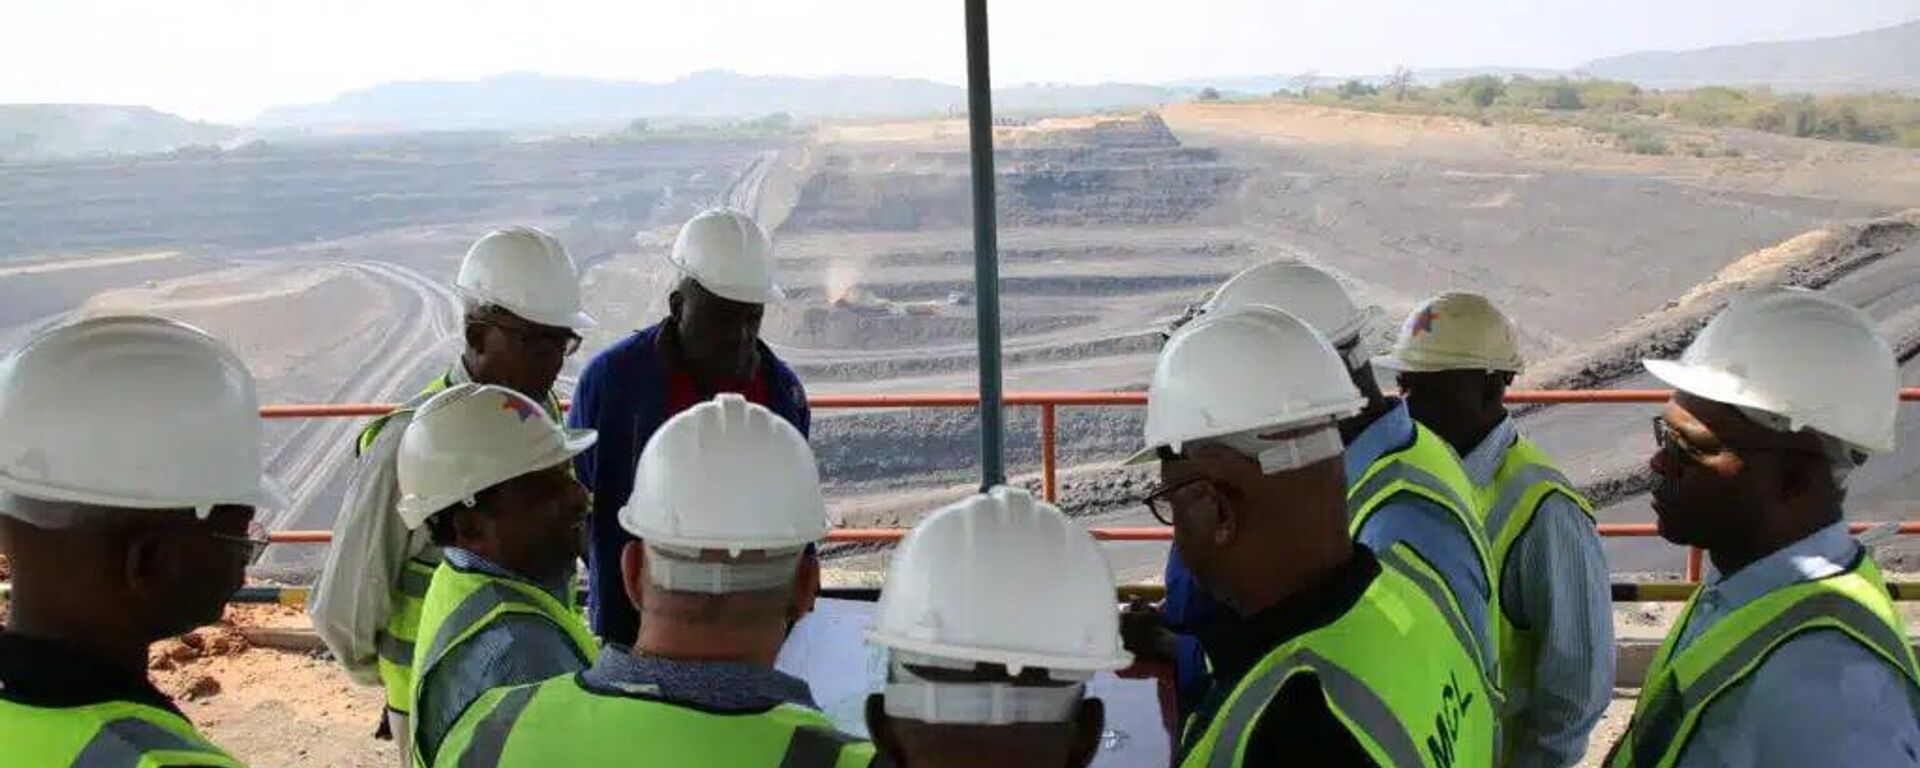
{"points": [[986, 258], [1049, 457]]}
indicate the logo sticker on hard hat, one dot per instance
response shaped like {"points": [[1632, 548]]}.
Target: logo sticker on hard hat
{"points": [[518, 406], [1423, 322]]}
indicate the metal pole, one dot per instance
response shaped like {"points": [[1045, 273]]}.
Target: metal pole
{"points": [[986, 258]]}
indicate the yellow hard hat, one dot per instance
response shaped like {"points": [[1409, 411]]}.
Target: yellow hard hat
{"points": [[1454, 331]]}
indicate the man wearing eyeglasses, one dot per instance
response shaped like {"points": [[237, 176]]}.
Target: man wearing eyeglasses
{"points": [[721, 273], [521, 292], [1791, 653], [130, 471]]}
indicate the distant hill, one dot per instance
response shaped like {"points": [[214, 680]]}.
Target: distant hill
{"points": [[1881, 59], [530, 100], [48, 131]]}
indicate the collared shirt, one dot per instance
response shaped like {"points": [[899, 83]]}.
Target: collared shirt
{"points": [[1820, 698], [1296, 728], [1554, 583], [511, 650], [353, 595], [1427, 528], [724, 686]]}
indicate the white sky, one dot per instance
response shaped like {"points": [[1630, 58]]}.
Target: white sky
{"points": [[228, 59]]}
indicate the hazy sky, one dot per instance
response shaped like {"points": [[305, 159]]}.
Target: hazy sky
{"points": [[228, 59]]}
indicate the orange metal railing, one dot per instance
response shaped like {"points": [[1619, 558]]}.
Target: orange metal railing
{"points": [[1049, 403]]}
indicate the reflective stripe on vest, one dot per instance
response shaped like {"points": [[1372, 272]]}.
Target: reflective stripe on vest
{"points": [[1428, 468], [114, 734], [395, 642], [1524, 480], [554, 723], [1681, 688], [460, 604], [1423, 576], [1392, 671]]}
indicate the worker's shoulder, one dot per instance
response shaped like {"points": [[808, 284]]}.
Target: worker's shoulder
{"points": [[1824, 672], [635, 349]]}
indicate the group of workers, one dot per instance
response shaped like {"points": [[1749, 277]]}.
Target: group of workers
{"points": [[1356, 579]]}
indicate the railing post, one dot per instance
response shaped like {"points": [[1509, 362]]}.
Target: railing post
{"points": [[1049, 488], [1693, 564]]}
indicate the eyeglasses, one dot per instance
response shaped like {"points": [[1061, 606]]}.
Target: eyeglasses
{"points": [[1667, 438], [253, 544], [564, 340], [1160, 502]]}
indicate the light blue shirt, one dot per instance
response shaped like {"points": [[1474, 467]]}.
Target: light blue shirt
{"points": [[512, 650], [1427, 528], [1821, 698], [1554, 583]]}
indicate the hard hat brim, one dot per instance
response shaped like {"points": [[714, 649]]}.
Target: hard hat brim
{"points": [[770, 294], [1147, 455], [1399, 365], [1707, 383], [267, 495]]}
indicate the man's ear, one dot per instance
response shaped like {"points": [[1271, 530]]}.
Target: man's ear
{"points": [[476, 334], [806, 585], [674, 301], [1089, 722], [880, 730], [633, 572]]}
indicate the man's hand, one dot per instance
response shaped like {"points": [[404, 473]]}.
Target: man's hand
{"points": [[1142, 633]]}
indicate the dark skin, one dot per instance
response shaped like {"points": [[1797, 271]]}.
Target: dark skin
{"points": [[744, 627], [1230, 538], [714, 339], [1735, 488], [532, 525], [1462, 406], [1378, 404], [507, 350], [123, 579], [1251, 539], [916, 744]]}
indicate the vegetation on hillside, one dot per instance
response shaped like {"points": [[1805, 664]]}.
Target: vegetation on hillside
{"points": [[1628, 111]]}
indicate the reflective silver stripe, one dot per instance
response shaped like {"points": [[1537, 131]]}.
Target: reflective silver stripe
{"points": [[1515, 488], [395, 651], [120, 743], [415, 577], [1450, 609], [1403, 470], [1358, 702], [814, 748], [490, 736], [1656, 728], [470, 610]]}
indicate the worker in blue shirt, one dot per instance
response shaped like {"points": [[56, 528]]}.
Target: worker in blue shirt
{"points": [[709, 343], [1404, 484]]}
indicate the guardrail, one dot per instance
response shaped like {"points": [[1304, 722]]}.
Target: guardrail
{"points": [[1049, 404]]}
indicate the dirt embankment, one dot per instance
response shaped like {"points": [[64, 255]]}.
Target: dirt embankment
{"points": [[1812, 260]]}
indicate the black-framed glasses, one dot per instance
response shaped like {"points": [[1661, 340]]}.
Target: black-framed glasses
{"points": [[1160, 501], [1667, 438], [252, 544], [562, 339]]}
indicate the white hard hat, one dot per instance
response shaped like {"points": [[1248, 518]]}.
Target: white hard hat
{"points": [[727, 253], [131, 412], [1455, 331], [471, 437], [527, 272], [1258, 368], [729, 475], [1797, 355], [1000, 578], [1301, 289]]}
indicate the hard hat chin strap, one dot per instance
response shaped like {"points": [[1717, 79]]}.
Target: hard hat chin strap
{"points": [[913, 697]]}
